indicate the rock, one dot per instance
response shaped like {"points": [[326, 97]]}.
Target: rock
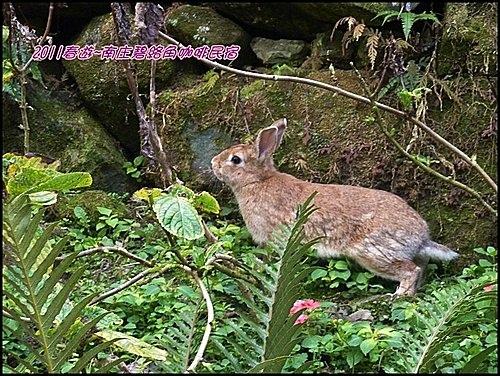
{"points": [[272, 20], [103, 85], [332, 12], [325, 52], [89, 201], [281, 51], [198, 26], [297, 20], [62, 129]]}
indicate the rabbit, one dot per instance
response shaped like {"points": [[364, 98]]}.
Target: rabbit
{"points": [[375, 228]]}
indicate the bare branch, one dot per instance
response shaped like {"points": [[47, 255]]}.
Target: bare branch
{"points": [[123, 286], [45, 34], [151, 147], [210, 318], [120, 250]]}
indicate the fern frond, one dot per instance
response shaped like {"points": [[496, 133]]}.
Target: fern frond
{"points": [[372, 44], [388, 14], [182, 338], [34, 294], [444, 318], [357, 32], [271, 332], [407, 20]]}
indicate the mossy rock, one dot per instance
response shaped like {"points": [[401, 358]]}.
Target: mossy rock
{"points": [[89, 201], [103, 85], [296, 20], [197, 26], [61, 128]]}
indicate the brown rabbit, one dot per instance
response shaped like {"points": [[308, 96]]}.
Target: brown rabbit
{"points": [[377, 229]]}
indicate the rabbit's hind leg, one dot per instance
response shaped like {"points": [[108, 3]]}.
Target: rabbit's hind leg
{"points": [[406, 272], [421, 262], [409, 276]]}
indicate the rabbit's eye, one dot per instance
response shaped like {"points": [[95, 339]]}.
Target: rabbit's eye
{"points": [[235, 159]]}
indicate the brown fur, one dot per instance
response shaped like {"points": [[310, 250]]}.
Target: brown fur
{"points": [[377, 229]]}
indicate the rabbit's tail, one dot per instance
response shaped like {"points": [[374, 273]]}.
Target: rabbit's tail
{"points": [[436, 251]]}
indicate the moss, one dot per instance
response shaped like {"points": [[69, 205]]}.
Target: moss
{"points": [[87, 146], [89, 201], [469, 38]]}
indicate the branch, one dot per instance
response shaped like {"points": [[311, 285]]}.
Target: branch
{"points": [[44, 36], [21, 71], [151, 147], [230, 272], [356, 97], [210, 313], [120, 250], [123, 286], [426, 168]]}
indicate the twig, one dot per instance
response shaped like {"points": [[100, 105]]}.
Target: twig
{"points": [[45, 34], [21, 71], [356, 97], [7, 314], [211, 238], [151, 147], [224, 269], [119, 250], [123, 286]]}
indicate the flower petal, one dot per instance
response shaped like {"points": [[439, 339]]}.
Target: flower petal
{"points": [[301, 319], [297, 306]]}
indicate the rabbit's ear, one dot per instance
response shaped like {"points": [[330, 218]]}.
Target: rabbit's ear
{"points": [[281, 126], [269, 139]]}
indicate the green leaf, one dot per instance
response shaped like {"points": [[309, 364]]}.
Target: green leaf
{"points": [[66, 181], [269, 364], [318, 273], [206, 202], [476, 363], [367, 345], [354, 357], [177, 216], [407, 19], [32, 276], [270, 306]]}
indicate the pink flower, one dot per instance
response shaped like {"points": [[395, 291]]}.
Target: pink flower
{"points": [[304, 304], [301, 319], [488, 288]]}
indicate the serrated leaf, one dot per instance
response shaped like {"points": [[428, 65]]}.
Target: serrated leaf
{"points": [[32, 180], [177, 216], [407, 19]]}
